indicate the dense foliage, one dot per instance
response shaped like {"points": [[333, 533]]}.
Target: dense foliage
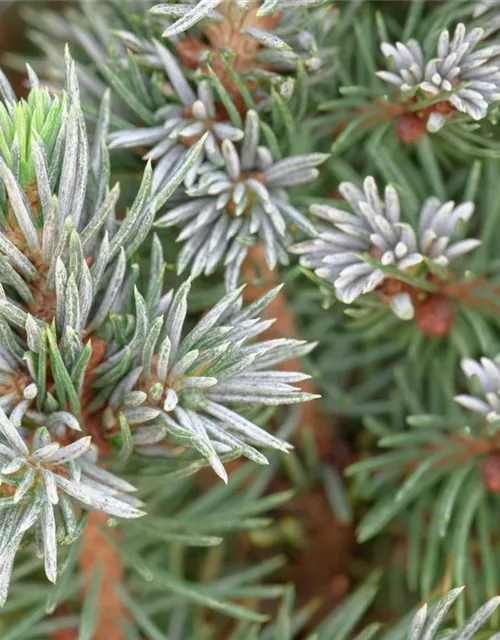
{"points": [[232, 230]]}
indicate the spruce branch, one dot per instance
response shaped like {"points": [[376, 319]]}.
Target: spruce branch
{"points": [[448, 456], [141, 376], [125, 59], [244, 199], [250, 29], [110, 381], [163, 381], [40, 482], [363, 251], [64, 360], [412, 108], [456, 63], [181, 126]]}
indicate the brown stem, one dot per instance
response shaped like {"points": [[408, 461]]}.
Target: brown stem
{"points": [[467, 293], [97, 550], [111, 611], [411, 123], [255, 270], [321, 568]]}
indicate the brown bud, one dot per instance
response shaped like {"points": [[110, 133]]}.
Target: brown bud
{"points": [[491, 471], [339, 586], [7, 490], [334, 194], [434, 316], [190, 50], [410, 128]]}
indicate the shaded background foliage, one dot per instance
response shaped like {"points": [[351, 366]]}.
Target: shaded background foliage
{"points": [[288, 540]]}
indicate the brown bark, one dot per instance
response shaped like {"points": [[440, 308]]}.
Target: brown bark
{"points": [[321, 569], [96, 549], [255, 269]]}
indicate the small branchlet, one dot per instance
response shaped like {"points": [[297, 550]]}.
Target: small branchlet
{"points": [[231, 207], [373, 250], [468, 78]]}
